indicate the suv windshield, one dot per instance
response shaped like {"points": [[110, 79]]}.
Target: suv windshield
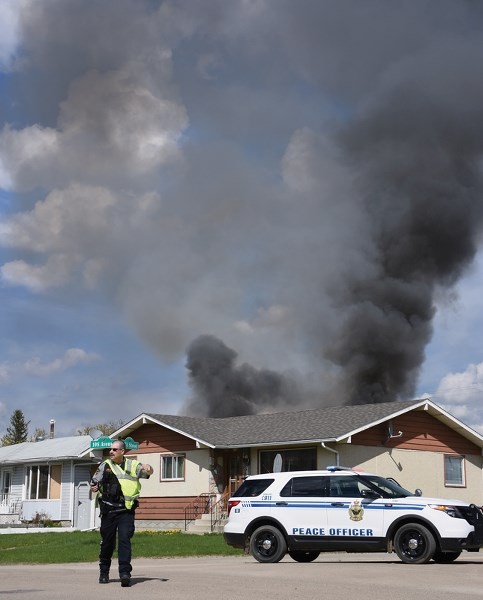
{"points": [[387, 488]]}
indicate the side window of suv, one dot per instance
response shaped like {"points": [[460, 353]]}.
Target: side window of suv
{"points": [[344, 487], [252, 487], [306, 486]]}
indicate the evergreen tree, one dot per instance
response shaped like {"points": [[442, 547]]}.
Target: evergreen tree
{"points": [[18, 430]]}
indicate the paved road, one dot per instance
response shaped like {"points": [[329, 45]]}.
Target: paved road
{"points": [[334, 576]]}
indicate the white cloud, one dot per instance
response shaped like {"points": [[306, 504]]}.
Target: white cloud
{"points": [[461, 394], [79, 234], [69, 225], [61, 221], [9, 21], [54, 273], [36, 367], [118, 113], [70, 359], [29, 151], [110, 125]]}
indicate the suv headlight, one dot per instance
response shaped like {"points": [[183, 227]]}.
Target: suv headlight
{"points": [[451, 511]]}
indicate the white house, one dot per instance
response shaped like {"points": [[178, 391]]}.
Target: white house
{"points": [[46, 480]]}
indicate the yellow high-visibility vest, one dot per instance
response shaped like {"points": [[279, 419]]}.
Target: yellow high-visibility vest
{"points": [[129, 481]]}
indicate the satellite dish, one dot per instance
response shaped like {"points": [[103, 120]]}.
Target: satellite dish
{"points": [[277, 464]]}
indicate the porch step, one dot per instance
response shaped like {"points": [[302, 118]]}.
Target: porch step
{"points": [[203, 525]]}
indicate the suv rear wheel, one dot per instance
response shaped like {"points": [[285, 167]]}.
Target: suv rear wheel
{"points": [[414, 544], [267, 544]]}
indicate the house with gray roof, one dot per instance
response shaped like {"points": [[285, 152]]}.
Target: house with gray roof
{"points": [[46, 480], [199, 462]]}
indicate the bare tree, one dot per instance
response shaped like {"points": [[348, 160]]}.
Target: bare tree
{"points": [[105, 428], [39, 434]]}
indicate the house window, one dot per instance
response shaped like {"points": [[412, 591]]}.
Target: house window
{"points": [[38, 482], [454, 470], [172, 467], [302, 459], [43, 482], [6, 483]]}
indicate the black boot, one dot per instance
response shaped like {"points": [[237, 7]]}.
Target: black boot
{"points": [[104, 578]]}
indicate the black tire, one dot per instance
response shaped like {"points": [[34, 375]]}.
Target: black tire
{"points": [[414, 544], [305, 557], [267, 544], [446, 557]]}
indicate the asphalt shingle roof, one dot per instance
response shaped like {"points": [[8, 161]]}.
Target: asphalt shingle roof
{"points": [[59, 448], [322, 424]]}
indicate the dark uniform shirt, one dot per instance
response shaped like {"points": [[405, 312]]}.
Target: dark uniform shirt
{"points": [[111, 497]]}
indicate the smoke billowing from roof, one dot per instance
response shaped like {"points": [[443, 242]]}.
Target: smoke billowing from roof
{"points": [[417, 155], [223, 389], [310, 219]]}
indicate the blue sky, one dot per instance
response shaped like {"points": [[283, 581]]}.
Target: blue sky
{"points": [[286, 197]]}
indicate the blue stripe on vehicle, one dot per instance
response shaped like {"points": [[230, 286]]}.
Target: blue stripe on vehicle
{"points": [[330, 505]]}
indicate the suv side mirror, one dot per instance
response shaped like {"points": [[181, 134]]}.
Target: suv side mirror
{"points": [[418, 492]]}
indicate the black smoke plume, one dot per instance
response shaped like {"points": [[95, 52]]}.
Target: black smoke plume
{"points": [[223, 389], [417, 158]]}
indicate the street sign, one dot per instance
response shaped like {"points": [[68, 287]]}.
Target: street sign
{"points": [[106, 442]]}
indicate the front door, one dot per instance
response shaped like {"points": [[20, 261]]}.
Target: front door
{"points": [[232, 471]]}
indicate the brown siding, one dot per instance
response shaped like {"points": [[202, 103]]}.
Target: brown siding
{"points": [[55, 481], [421, 431], [163, 508], [155, 438]]}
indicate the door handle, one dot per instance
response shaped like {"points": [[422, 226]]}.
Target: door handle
{"points": [[281, 503], [337, 504]]}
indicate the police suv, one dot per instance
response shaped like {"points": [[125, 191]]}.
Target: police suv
{"points": [[338, 509]]}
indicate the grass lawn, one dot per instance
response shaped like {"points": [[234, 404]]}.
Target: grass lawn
{"points": [[79, 546]]}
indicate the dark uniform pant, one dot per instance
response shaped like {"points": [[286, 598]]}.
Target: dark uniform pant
{"points": [[122, 523]]}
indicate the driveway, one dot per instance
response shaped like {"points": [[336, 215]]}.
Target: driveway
{"points": [[359, 576]]}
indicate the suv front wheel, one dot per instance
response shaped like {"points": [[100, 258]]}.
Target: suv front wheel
{"points": [[414, 544], [267, 544]]}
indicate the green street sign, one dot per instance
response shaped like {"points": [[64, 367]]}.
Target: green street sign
{"points": [[131, 444], [106, 442]]}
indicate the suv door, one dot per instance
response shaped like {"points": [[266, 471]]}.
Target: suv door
{"points": [[351, 516], [301, 508]]}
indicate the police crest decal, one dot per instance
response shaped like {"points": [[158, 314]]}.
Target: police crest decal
{"points": [[356, 511]]}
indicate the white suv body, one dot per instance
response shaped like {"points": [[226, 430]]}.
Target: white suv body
{"points": [[338, 509]]}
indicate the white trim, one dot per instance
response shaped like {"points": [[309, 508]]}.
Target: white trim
{"points": [[72, 491]]}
